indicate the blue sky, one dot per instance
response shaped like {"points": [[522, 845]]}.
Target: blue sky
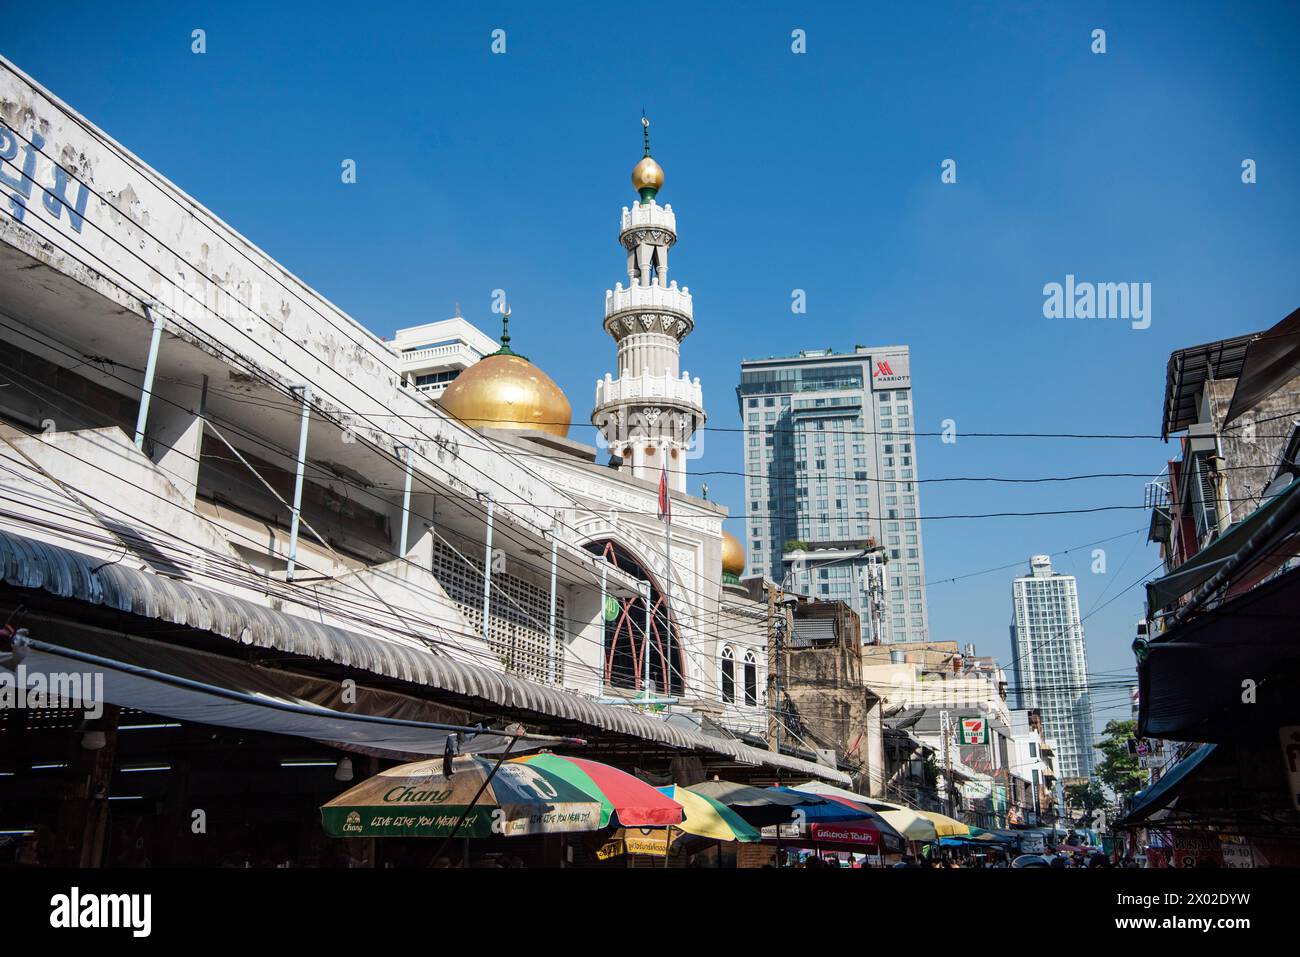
{"points": [[818, 172]]}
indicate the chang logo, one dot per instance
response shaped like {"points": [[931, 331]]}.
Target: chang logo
{"points": [[352, 825]]}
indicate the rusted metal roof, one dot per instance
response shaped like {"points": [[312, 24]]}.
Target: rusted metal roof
{"points": [[27, 563], [1187, 371]]}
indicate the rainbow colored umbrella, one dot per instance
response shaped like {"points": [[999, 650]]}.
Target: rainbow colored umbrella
{"points": [[629, 800], [420, 800], [706, 817]]}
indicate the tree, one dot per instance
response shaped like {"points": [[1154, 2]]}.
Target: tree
{"points": [[1119, 770], [1086, 796]]}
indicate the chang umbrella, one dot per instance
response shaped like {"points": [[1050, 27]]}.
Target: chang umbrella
{"points": [[628, 799], [706, 817], [418, 800], [758, 806]]}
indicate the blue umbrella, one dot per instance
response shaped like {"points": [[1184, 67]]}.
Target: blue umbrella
{"points": [[827, 812]]}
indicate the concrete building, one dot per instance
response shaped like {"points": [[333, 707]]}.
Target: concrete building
{"points": [[940, 693], [1031, 762], [210, 469], [831, 483], [431, 356], [1049, 662]]}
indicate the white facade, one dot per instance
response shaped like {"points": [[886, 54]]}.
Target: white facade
{"points": [[1049, 662], [279, 435], [648, 413], [432, 355], [1029, 763]]}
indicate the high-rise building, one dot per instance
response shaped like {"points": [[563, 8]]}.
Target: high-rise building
{"points": [[831, 492], [1049, 662]]}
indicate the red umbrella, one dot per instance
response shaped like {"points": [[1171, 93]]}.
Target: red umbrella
{"points": [[635, 803]]}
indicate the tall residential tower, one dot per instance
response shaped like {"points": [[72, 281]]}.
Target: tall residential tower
{"points": [[1049, 662], [832, 501]]}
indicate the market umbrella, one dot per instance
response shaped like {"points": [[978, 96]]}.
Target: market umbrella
{"points": [[419, 800], [906, 821], [944, 825], [628, 799], [822, 789], [910, 824], [758, 806], [865, 819], [706, 817]]}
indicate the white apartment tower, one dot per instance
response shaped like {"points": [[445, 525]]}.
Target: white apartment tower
{"points": [[833, 499], [1049, 662]]}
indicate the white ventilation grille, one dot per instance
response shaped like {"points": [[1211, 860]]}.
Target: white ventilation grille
{"points": [[518, 633]]}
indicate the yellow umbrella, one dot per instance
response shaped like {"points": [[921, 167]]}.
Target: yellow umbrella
{"points": [[910, 824], [706, 817], [945, 826]]}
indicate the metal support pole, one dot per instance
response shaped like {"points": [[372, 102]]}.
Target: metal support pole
{"points": [[297, 483], [551, 649], [487, 570], [646, 685], [406, 502], [668, 597], [147, 391], [604, 587]]}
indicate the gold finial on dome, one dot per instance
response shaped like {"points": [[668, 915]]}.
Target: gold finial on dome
{"points": [[647, 175], [506, 391], [733, 557]]}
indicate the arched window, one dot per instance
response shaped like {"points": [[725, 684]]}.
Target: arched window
{"points": [[728, 675], [751, 679], [628, 650]]}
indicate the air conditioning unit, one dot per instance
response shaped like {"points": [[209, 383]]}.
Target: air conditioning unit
{"points": [[827, 757]]}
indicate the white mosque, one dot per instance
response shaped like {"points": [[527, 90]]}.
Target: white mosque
{"points": [[707, 645]]}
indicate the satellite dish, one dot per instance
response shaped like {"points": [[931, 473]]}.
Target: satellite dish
{"points": [[1278, 484]]}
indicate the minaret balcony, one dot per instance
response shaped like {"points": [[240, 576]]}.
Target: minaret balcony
{"points": [[652, 298], [682, 391], [650, 215]]}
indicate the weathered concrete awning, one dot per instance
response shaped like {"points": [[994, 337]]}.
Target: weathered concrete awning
{"points": [[39, 566]]}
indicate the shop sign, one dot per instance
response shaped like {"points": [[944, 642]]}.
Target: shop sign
{"points": [[1237, 854], [650, 841], [974, 731], [844, 834]]}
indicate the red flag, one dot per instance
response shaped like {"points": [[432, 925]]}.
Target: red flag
{"points": [[665, 503]]}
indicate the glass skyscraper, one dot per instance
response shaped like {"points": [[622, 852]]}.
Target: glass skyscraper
{"points": [[1049, 662], [830, 472]]}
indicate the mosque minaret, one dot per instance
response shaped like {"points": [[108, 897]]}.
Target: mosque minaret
{"points": [[650, 410]]}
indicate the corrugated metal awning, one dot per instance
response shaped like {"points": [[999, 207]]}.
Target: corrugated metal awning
{"points": [[31, 564]]}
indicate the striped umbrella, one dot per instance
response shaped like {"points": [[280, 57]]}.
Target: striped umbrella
{"points": [[629, 801], [905, 821], [419, 800], [706, 817], [758, 806]]}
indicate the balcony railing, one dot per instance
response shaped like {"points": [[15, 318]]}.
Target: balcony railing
{"points": [[683, 391], [668, 297]]}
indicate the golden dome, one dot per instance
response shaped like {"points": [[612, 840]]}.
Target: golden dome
{"points": [[733, 555], [647, 174], [506, 391]]}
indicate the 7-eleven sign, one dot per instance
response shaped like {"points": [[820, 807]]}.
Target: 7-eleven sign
{"points": [[974, 731]]}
